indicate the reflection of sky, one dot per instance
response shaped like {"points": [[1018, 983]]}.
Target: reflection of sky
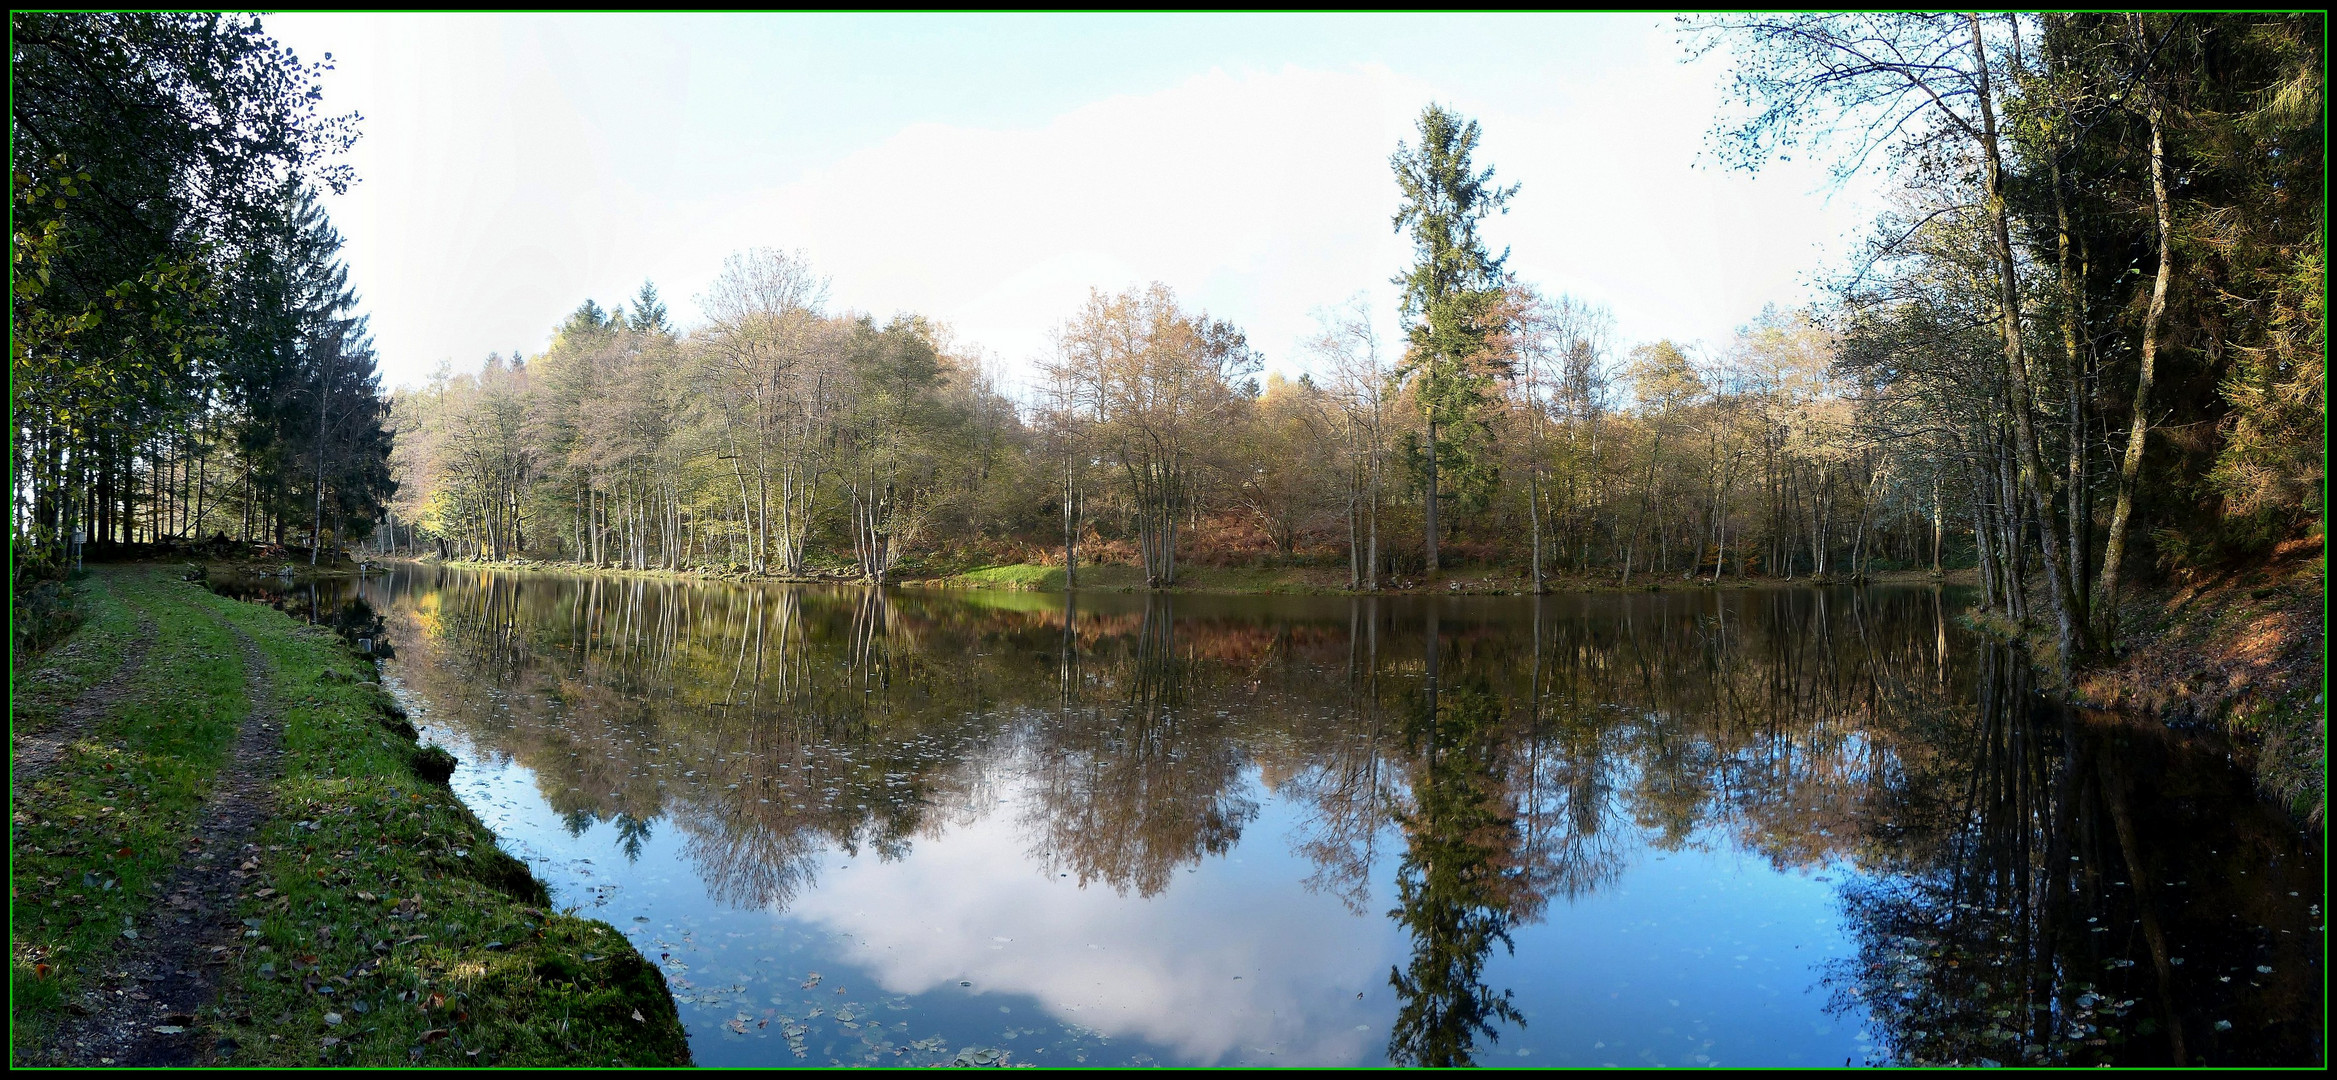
{"points": [[1230, 963], [1691, 957]]}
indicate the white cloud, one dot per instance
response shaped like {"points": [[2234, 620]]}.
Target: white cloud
{"points": [[514, 166]]}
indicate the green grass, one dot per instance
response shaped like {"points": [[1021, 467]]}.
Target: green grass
{"points": [[93, 836], [51, 681], [1224, 579], [373, 885], [1023, 576]]}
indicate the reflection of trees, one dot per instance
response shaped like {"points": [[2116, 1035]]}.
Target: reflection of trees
{"points": [[1143, 717], [1133, 786], [1353, 777], [338, 604], [1814, 728], [2021, 910], [1460, 884]]}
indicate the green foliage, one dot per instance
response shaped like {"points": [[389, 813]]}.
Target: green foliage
{"points": [[174, 279], [648, 315]]}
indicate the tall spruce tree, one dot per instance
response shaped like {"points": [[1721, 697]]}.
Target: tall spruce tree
{"points": [[1451, 294], [648, 315]]}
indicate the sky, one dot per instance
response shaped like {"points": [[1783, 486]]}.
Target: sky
{"points": [[987, 171]]}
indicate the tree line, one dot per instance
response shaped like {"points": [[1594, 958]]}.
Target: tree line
{"points": [[187, 358], [1508, 429]]}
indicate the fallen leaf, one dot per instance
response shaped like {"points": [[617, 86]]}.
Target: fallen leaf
{"points": [[333, 1019], [636, 1012], [433, 1035]]}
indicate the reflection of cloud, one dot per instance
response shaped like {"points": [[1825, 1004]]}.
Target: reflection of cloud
{"points": [[1163, 969]]}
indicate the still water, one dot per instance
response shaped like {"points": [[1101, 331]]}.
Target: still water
{"points": [[1784, 827]]}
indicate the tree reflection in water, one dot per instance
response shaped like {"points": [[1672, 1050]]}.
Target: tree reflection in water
{"points": [[2074, 889], [2027, 885], [1459, 886], [1132, 779]]}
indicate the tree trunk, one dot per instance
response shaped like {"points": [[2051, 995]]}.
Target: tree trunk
{"points": [[2070, 622], [1534, 511], [2073, 319], [1070, 529], [324, 397], [1431, 511], [2130, 470]]}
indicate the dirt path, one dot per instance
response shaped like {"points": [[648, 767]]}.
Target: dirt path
{"points": [[143, 1011], [33, 754]]}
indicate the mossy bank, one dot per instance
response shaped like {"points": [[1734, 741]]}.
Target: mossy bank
{"points": [[374, 921]]}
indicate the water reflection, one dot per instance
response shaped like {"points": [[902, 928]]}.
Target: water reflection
{"points": [[2076, 889], [1463, 880], [1245, 828]]}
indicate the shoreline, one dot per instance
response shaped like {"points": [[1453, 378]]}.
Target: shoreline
{"points": [[1232, 581], [353, 912]]}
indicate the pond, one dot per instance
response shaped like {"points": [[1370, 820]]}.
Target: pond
{"points": [[1755, 827]]}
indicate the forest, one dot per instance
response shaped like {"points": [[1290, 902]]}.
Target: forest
{"points": [[2083, 348], [186, 355]]}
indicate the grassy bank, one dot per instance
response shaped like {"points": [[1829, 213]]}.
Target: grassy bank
{"points": [[382, 926], [2241, 649]]}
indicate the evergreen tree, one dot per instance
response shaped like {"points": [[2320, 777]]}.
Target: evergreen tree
{"points": [[299, 356], [649, 316], [1450, 296]]}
